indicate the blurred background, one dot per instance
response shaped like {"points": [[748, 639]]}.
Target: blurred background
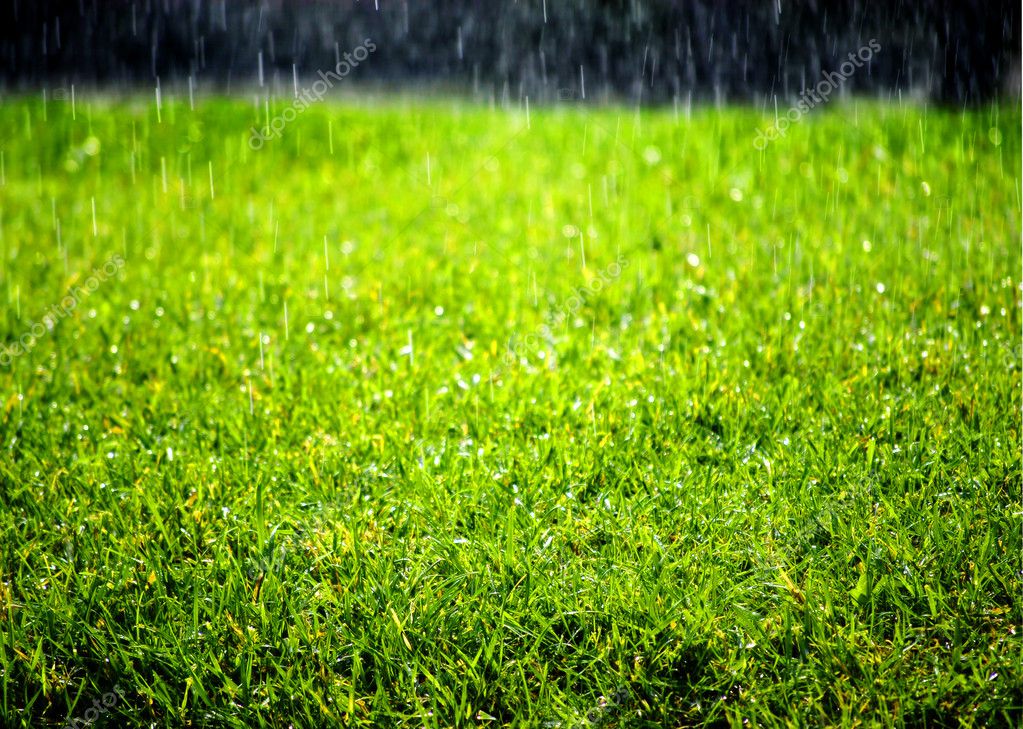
{"points": [[656, 51]]}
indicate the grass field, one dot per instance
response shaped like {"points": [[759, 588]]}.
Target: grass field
{"points": [[430, 414]]}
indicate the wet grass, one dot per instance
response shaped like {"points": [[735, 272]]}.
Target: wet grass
{"points": [[441, 416]]}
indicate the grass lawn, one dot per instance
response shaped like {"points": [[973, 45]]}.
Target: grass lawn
{"points": [[438, 415]]}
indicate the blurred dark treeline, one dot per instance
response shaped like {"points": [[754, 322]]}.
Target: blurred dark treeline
{"points": [[642, 50]]}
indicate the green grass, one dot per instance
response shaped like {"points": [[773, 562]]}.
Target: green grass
{"points": [[754, 462]]}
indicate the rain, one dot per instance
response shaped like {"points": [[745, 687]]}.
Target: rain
{"points": [[591, 363]]}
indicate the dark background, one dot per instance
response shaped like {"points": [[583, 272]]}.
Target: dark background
{"points": [[640, 50]]}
